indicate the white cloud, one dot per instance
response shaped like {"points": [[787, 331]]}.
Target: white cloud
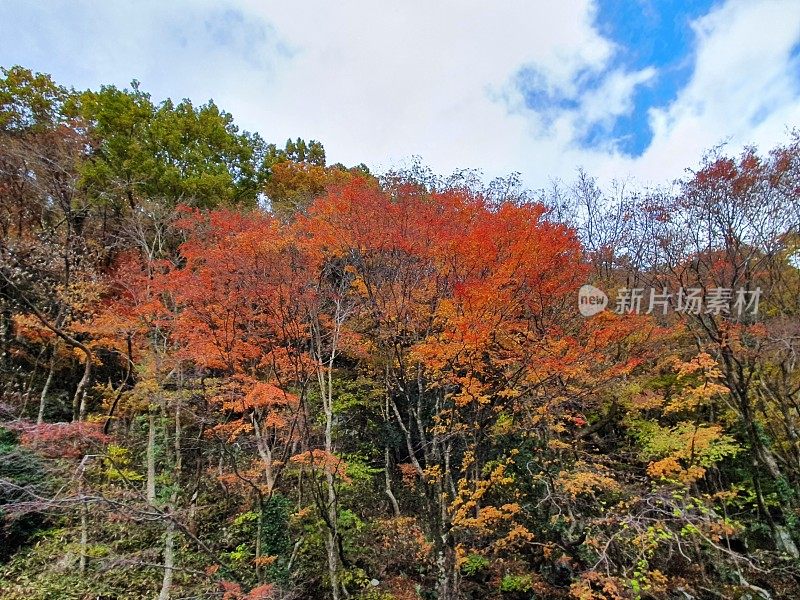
{"points": [[380, 82], [614, 97], [425, 78], [744, 88]]}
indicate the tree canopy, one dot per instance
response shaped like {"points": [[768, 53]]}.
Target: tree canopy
{"points": [[231, 370]]}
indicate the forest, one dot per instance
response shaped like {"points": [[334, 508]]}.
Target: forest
{"points": [[230, 370]]}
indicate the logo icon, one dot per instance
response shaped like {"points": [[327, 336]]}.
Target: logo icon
{"points": [[591, 300]]}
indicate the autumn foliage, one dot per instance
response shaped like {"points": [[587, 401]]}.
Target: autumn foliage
{"points": [[381, 387]]}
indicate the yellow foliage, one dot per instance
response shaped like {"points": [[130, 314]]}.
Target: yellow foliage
{"points": [[588, 481]]}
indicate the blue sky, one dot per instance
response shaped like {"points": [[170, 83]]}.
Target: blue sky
{"points": [[649, 34], [636, 88]]}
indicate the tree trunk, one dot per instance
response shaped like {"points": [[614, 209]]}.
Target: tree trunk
{"points": [[331, 541], [84, 538], [333, 563], [169, 561], [45, 389], [259, 535], [177, 464], [151, 458], [388, 478], [329, 505], [79, 402], [84, 516], [447, 572], [6, 335]]}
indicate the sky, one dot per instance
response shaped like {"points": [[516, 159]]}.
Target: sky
{"points": [[625, 89]]}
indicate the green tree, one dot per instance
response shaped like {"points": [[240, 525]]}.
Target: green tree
{"points": [[29, 101], [177, 153]]}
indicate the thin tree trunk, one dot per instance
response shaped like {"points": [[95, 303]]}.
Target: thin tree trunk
{"points": [[331, 539], [392, 499], [333, 563], [80, 392], [151, 458], [84, 538], [45, 389], [259, 534], [447, 578], [6, 335], [84, 516], [169, 561], [325, 381], [121, 389], [169, 539]]}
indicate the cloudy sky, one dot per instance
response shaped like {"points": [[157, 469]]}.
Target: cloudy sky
{"points": [[635, 88]]}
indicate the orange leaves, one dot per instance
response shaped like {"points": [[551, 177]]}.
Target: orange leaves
{"points": [[478, 510], [487, 518], [249, 474], [702, 378], [472, 492], [401, 543], [480, 256], [238, 295], [466, 289], [265, 395], [322, 461], [238, 309], [132, 309], [265, 561], [673, 437], [667, 468], [234, 429], [739, 177], [702, 363], [682, 453], [465, 310], [587, 480], [233, 591], [409, 474], [252, 403], [293, 185], [31, 328], [594, 585]]}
